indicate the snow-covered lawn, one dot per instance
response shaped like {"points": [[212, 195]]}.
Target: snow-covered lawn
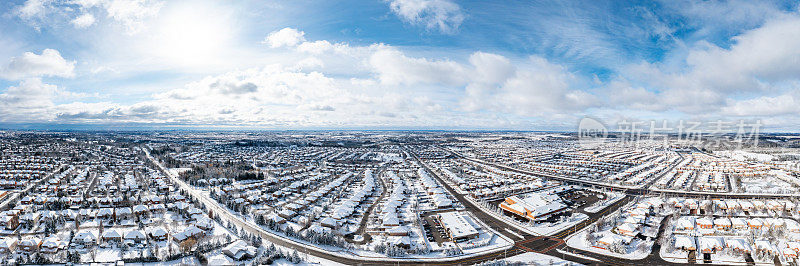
{"points": [[719, 257], [550, 228], [609, 199], [636, 250], [178, 171], [741, 155], [533, 258], [190, 260]]}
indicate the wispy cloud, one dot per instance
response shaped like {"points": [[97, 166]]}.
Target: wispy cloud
{"points": [[441, 15], [539, 63]]}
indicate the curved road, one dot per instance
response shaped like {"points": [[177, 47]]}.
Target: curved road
{"points": [[627, 190], [317, 252], [524, 242]]}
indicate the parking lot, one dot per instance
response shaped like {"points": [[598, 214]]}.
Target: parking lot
{"points": [[434, 232]]}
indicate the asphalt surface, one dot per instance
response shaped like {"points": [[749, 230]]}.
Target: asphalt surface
{"points": [[523, 242], [528, 242], [14, 196], [631, 191], [362, 226], [213, 206], [551, 245]]}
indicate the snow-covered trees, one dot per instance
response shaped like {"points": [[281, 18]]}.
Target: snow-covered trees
{"points": [[618, 247]]}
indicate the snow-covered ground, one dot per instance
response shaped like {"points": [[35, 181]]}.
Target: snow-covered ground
{"points": [[741, 155], [773, 183], [628, 233], [638, 249], [533, 258], [178, 171], [190, 260], [774, 236], [608, 200], [550, 228]]}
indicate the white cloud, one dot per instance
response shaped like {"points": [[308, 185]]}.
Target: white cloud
{"points": [[29, 101], [285, 37], [768, 53], [31, 9], [83, 21], [535, 89], [442, 15], [132, 13], [762, 60], [31, 93], [251, 95], [309, 63], [323, 46], [717, 81], [88, 3], [393, 67], [685, 98], [490, 82], [491, 68], [48, 63], [273, 96], [786, 104], [380, 84]]}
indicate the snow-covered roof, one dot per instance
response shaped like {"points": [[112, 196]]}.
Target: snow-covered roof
{"points": [[134, 235], [684, 242], [111, 233], [7, 242], [737, 243], [400, 240], [722, 221], [710, 243], [239, 250], [686, 222], [457, 224]]}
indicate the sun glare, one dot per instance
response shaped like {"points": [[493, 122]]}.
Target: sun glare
{"points": [[192, 35]]}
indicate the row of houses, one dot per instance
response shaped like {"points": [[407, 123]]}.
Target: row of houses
{"points": [[708, 226]]}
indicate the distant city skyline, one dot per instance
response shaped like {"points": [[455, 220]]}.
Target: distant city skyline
{"points": [[396, 64]]}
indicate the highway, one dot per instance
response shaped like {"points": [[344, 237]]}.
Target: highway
{"points": [[528, 242], [523, 241], [223, 213], [629, 190], [552, 245]]}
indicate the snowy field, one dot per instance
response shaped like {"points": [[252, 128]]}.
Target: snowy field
{"points": [[606, 201], [550, 228], [636, 250], [533, 258], [774, 183], [741, 155]]}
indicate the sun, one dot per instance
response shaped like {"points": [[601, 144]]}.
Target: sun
{"points": [[192, 34]]}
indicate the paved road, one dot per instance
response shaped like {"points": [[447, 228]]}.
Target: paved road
{"points": [[14, 197], [549, 246], [628, 190], [524, 242], [362, 226], [527, 242], [337, 257]]}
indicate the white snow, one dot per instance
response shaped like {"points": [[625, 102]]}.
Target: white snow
{"points": [[533, 258]]}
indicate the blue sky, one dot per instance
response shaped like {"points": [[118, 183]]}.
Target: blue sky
{"points": [[442, 64]]}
